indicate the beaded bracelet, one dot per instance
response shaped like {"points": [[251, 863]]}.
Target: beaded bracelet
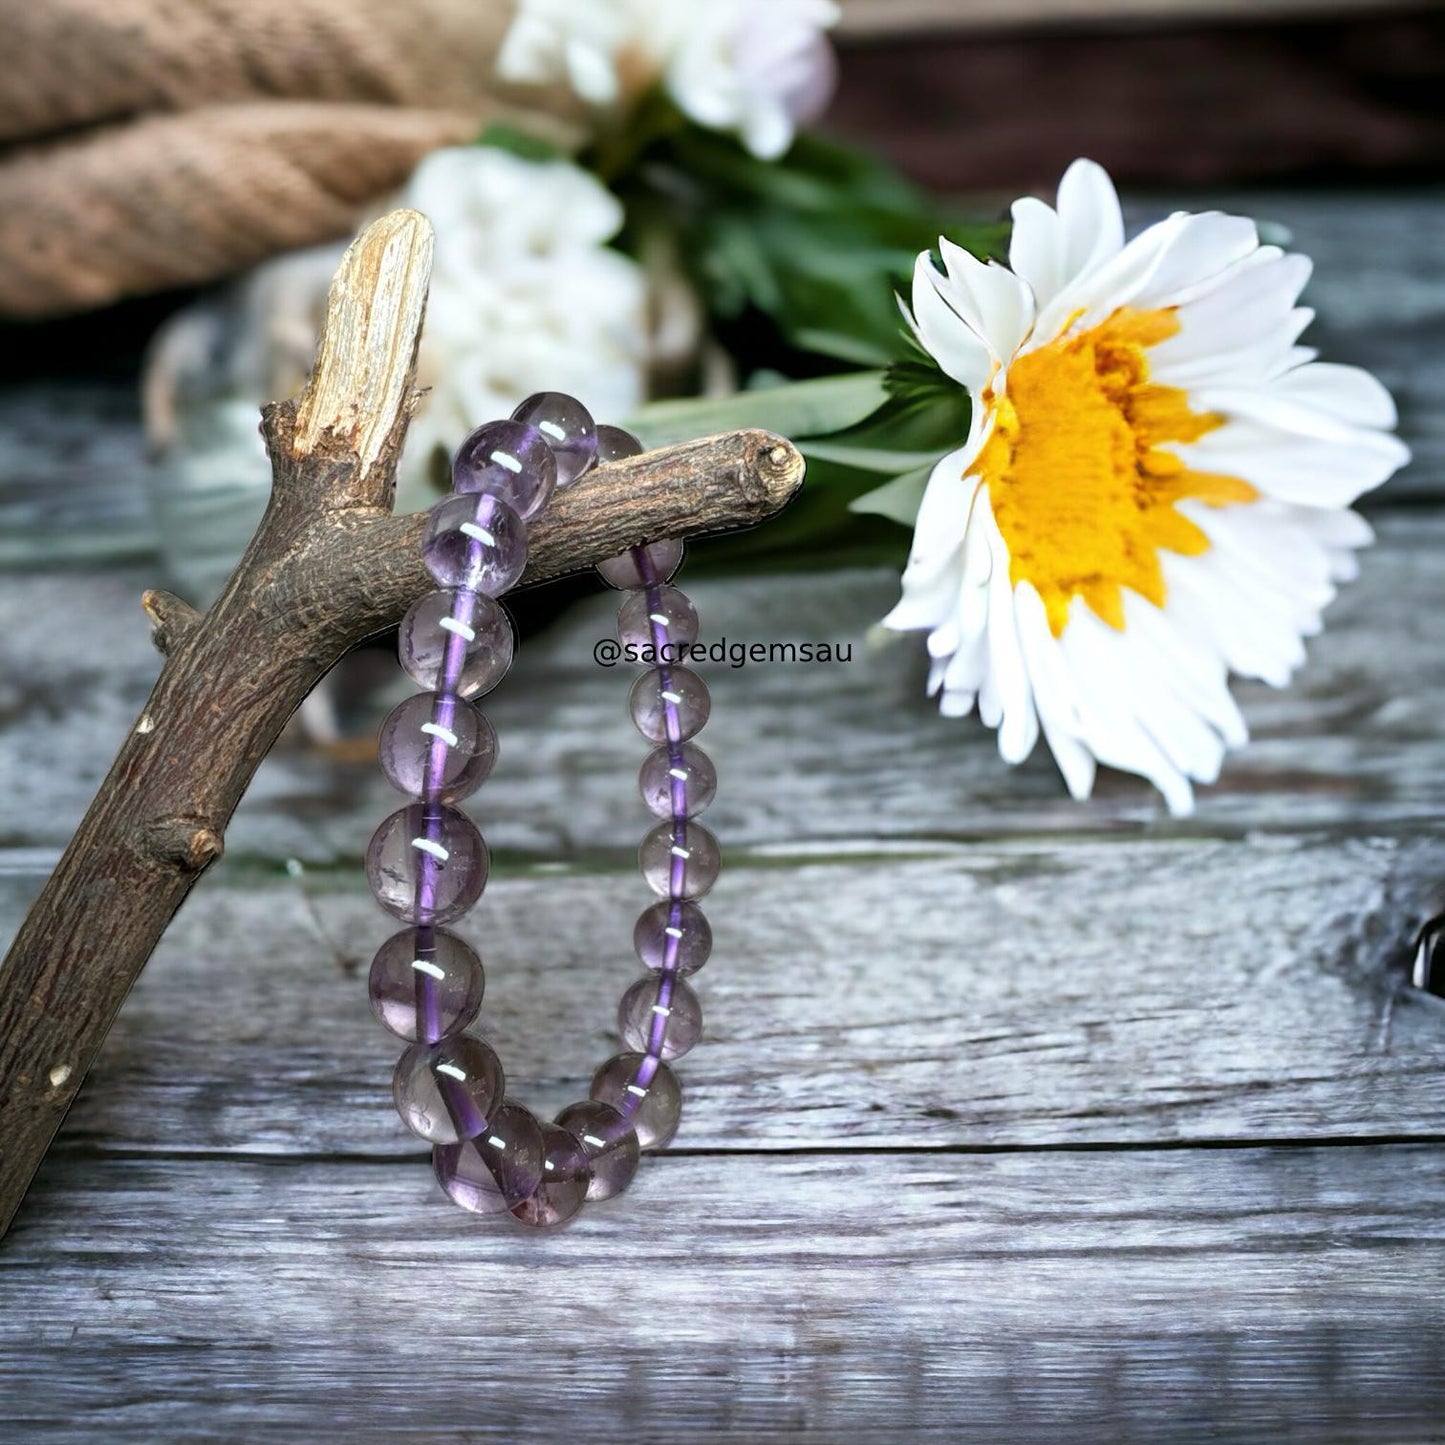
{"points": [[427, 863]]}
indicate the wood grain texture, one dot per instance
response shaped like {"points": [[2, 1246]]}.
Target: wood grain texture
{"points": [[1230, 1295], [1036, 995], [1354, 744]]}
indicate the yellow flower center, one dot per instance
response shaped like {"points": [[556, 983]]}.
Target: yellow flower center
{"points": [[1082, 490]]}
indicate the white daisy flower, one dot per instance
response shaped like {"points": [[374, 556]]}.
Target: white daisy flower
{"points": [[526, 295], [1154, 491], [760, 68]]}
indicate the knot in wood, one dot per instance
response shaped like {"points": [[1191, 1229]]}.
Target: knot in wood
{"points": [[171, 619], [185, 842]]}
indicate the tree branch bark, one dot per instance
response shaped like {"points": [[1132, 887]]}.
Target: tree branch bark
{"points": [[328, 567]]}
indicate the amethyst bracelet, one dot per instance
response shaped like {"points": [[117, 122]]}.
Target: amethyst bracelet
{"points": [[427, 863]]}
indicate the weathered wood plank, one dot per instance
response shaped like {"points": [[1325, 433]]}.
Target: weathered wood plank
{"points": [[73, 472], [1355, 743], [1025, 995], [1234, 1295]]}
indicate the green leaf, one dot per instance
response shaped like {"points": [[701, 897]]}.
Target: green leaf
{"points": [[798, 409], [867, 459], [898, 500], [499, 134], [808, 251], [817, 530], [840, 346]]}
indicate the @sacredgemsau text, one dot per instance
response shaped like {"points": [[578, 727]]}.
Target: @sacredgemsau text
{"points": [[609, 652]]}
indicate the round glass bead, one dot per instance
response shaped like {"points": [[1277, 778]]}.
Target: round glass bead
{"points": [[679, 786], [669, 704], [475, 541], [497, 1169], [569, 429], [510, 460], [615, 444], [645, 1092], [673, 935], [610, 1142], [454, 636], [643, 566], [679, 860], [566, 1173], [661, 618], [427, 864], [425, 976], [435, 746], [447, 1091], [660, 1015]]}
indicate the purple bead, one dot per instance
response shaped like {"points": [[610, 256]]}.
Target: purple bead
{"points": [[645, 566], [475, 541], [673, 935], [669, 704], [679, 860], [660, 1015], [436, 746], [456, 641], [566, 1173], [510, 460], [426, 983], [677, 780], [569, 429], [615, 444], [660, 618], [447, 1091], [645, 1092], [493, 1171], [610, 1142], [427, 864]]}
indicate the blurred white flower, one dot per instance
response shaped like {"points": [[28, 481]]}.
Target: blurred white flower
{"points": [[526, 296], [1153, 493], [760, 68]]}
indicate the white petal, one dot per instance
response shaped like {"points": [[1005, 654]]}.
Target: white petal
{"points": [[1159, 265], [1252, 643], [1108, 698], [1345, 392], [1340, 528], [1091, 221], [767, 130], [1199, 248], [944, 511], [1273, 407], [1053, 692], [1297, 468], [936, 561], [1007, 683], [945, 335], [1187, 662], [1278, 552], [1253, 305], [1036, 249], [1003, 307], [1259, 364]]}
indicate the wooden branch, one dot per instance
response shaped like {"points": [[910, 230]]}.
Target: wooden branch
{"points": [[329, 566]]}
